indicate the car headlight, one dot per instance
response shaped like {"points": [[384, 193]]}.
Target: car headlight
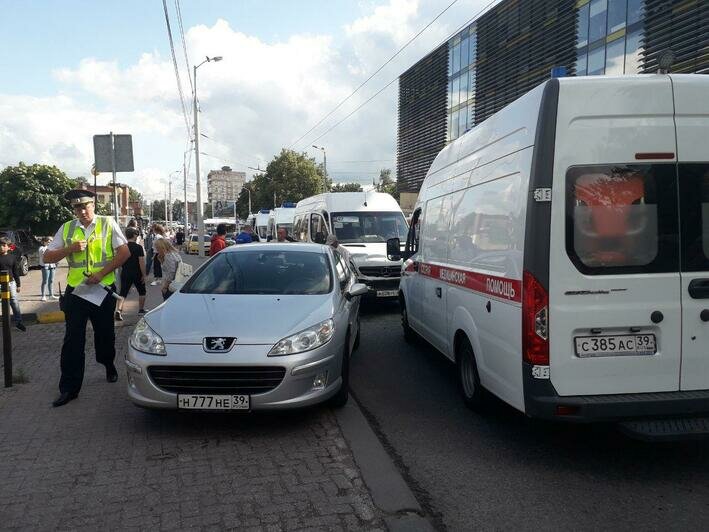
{"points": [[305, 340], [147, 340]]}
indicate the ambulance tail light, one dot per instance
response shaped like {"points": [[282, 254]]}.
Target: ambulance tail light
{"points": [[535, 321]]}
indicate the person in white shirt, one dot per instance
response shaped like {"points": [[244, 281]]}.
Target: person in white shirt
{"points": [[48, 270]]}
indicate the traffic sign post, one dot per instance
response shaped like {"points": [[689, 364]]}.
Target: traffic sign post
{"points": [[113, 153]]}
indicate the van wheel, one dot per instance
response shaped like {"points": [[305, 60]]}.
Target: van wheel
{"points": [[409, 333], [24, 265], [474, 394], [343, 394]]}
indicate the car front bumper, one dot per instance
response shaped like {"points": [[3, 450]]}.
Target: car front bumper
{"points": [[295, 390]]}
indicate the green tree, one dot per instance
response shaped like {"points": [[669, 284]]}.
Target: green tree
{"points": [[290, 176], [134, 195], [33, 196], [346, 187], [387, 183], [104, 209], [158, 210], [242, 202]]}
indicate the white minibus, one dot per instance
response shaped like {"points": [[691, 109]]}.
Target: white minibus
{"points": [[261, 224], [362, 222], [559, 254], [281, 217]]}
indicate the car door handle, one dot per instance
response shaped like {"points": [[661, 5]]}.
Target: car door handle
{"points": [[439, 291], [699, 289]]}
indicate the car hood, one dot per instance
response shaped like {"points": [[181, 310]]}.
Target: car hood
{"points": [[370, 254], [252, 319]]}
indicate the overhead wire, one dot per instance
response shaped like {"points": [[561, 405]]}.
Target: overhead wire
{"points": [[471, 20], [373, 74], [177, 70], [184, 44]]}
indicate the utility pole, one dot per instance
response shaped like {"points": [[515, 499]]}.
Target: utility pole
{"points": [[200, 219], [169, 209], [113, 171], [184, 173]]}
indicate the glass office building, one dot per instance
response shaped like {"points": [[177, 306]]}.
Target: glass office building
{"points": [[511, 49]]}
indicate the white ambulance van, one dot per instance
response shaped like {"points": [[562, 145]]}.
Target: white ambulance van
{"points": [[559, 254], [281, 217], [362, 222], [261, 224]]}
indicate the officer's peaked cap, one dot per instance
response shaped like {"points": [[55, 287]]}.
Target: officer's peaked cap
{"points": [[79, 197]]}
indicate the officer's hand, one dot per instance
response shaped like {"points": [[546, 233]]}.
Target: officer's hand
{"points": [[93, 279], [79, 245]]}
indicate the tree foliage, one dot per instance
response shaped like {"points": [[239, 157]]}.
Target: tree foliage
{"points": [[290, 176], [33, 196], [346, 187], [387, 183]]}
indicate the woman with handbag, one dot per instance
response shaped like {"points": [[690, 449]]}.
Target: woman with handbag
{"points": [[170, 260]]}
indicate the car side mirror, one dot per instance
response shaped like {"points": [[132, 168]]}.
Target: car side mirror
{"points": [[394, 249], [357, 289]]}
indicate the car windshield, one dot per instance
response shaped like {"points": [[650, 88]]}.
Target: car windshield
{"points": [[263, 272], [207, 238], [366, 227]]}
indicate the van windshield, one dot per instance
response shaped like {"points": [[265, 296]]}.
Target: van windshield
{"points": [[367, 227]]}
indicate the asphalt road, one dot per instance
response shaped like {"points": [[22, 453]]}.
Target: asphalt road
{"points": [[504, 471]]}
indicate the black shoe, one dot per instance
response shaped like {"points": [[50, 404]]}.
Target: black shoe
{"points": [[142, 311], [64, 398], [111, 373], [118, 316], [21, 326]]}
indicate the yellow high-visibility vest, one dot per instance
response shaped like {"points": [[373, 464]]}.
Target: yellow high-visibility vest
{"points": [[98, 252]]}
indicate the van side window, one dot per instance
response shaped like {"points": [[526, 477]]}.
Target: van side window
{"points": [[622, 218], [434, 237], [412, 238], [297, 223], [694, 206], [487, 230]]}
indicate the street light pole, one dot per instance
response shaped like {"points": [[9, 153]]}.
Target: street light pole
{"points": [[200, 219], [324, 159]]}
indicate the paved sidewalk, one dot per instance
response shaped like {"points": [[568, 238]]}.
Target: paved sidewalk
{"points": [[101, 463]]}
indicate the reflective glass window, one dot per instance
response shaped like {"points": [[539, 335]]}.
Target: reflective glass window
{"points": [[434, 239], [464, 88], [581, 61], [471, 83], [456, 58], [597, 61], [615, 57], [622, 218], [450, 94], [471, 115], [582, 26], [450, 136], [454, 125], [632, 52], [636, 11], [464, 52], [455, 99], [462, 121], [597, 20], [450, 58], [473, 46], [694, 204], [616, 15]]}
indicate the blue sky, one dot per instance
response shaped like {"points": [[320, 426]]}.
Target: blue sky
{"points": [[75, 68]]}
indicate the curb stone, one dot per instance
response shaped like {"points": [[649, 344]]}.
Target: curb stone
{"points": [[389, 491]]}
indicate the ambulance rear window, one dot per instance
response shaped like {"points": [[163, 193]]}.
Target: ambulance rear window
{"points": [[622, 218]]}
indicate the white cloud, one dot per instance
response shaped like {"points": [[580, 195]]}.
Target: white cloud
{"points": [[260, 98]]}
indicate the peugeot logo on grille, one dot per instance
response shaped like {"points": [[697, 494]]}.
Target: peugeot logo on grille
{"points": [[218, 344]]}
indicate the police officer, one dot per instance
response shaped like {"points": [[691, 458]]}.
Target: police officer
{"points": [[94, 247]]}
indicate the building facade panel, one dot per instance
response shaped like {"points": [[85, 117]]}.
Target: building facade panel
{"points": [[512, 48]]}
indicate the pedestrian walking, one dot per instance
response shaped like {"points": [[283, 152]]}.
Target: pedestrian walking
{"points": [[149, 239], [94, 246], [132, 273], [247, 235], [170, 259], [158, 234], [8, 262], [48, 271], [218, 241]]}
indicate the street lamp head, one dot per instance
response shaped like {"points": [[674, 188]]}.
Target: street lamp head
{"points": [[216, 58]]}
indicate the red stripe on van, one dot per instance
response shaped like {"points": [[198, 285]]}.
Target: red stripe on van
{"points": [[498, 287], [654, 155]]}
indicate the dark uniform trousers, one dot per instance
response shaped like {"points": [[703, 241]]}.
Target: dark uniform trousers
{"points": [[77, 312]]}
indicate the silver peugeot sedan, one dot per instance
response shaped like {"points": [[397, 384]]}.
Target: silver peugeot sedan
{"points": [[257, 327]]}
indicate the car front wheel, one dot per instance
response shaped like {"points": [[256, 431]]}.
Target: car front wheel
{"points": [[343, 394], [24, 265]]}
